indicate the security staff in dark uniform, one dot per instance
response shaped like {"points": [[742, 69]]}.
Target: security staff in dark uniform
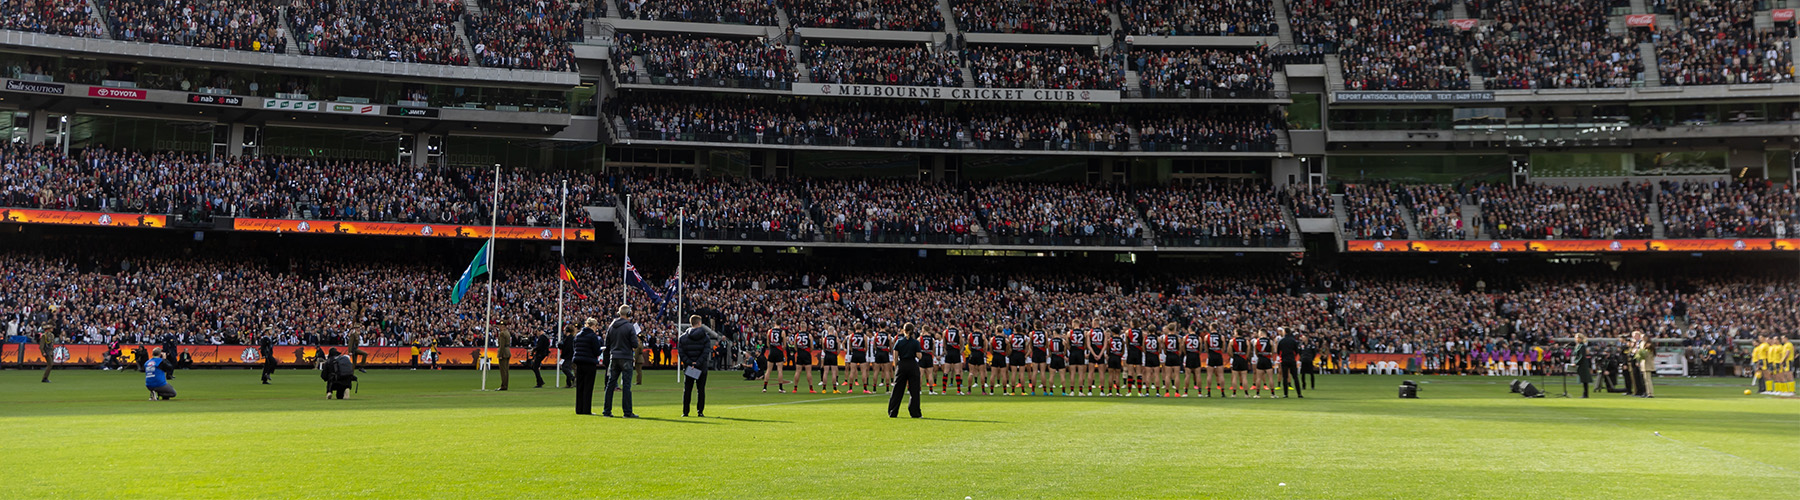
{"points": [[540, 349], [168, 347], [1584, 365], [565, 350], [906, 371], [1288, 347], [266, 349], [1309, 356], [695, 347], [585, 354]]}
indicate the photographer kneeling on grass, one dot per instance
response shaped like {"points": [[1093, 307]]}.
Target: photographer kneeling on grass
{"points": [[338, 372]]}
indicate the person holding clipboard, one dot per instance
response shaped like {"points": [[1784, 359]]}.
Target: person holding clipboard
{"points": [[695, 345]]}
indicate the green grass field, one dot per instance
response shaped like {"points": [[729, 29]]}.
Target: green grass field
{"points": [[428, 434]]}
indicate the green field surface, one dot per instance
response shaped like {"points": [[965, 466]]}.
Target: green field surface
{"points": [[432, 434]]}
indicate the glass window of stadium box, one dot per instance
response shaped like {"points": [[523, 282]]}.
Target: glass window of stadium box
{"points": [[141, 134], [1391, 119]]}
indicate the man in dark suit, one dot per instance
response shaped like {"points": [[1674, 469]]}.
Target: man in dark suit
{"points": [[1288, 348], [695, 348], [540, 349], [1584, 365], [621, 359], [585, 354], [265, 348], [906, 372]]}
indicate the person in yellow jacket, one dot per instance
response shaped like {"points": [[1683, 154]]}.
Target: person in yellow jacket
{"points": [[1759, 366]]}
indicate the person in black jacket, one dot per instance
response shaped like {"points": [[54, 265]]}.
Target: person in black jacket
{"points": [[1288, 348], [906, 372], [695, 349], [1584, 365], [540, 349], [168, 347], [565, 350], [338, 372], [621, 359], [585, 354]]}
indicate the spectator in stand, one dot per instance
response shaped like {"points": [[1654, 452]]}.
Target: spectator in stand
{"points": [[1228, 212], [1721, 209], [1180, 18], [1050, 17], [55, 17], [1373, 211], [1038, 128], [1070, 211], [1386, 45], [1052, 68], [527, 34], [897, 15], [1205, 73], [1552, 44], [1556, 212], [879, 207], [221, 24], [1717, 43], [689, 60], [415, 31], [911, 65], [870, 123], [1438, 210], [757, 12]]}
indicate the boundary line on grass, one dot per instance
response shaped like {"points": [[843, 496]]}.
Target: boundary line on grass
{"points": [[805, 401]]}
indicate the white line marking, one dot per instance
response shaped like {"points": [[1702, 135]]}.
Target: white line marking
{"points": [[804, 401]]}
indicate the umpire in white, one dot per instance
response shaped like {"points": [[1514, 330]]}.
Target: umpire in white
{"points": [[695, 346]]}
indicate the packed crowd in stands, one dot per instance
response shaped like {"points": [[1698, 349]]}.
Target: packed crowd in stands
{"points": [[875, 207], [55, 17], [1717, 43], [1372, 211], [1538, 211], [1050, 68], [1437, 209], [690, 60], [226, 297], [527, 34], [1231, 128], [897, 15], [1053, 17], [873, 123], [1309, 201], [1722, 209], [1553, 44], [1386, 45], [421, 31], [717, 204], [915, 65], [220, 24], [191, 185], [1040, 210], [1221, 210], [1036, 128], [1182, 18], [756, 12], [1205, 72]]}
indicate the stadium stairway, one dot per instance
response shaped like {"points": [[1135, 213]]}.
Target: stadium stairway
{"points": [[802, 71], [1340, 212], [1796, 48], [1652, 70], [1763, 20], [1132, 81], [1280, 83], [981, 235], [1459, 10], [1412, 221], [99, 19], [1471, 220], [1657, 229], [1118, 25], [949, 15], [643, 72], [968, 76], [612, 10], [473, 7], [1294, 238], [1286, 33], [781, 19], [462, 37], [1639, 7], [1615, 25], [1334, 73], [287, 31]]}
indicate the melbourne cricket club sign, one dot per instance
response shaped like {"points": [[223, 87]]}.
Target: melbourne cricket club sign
{"points": [[955, 93]]}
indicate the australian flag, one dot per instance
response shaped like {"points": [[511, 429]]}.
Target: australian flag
{"points": [[634, 279]]}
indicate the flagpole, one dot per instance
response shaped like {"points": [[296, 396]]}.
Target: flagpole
{"points": [[681, 286], [625, 282], [487, 330], [562, 251]]}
